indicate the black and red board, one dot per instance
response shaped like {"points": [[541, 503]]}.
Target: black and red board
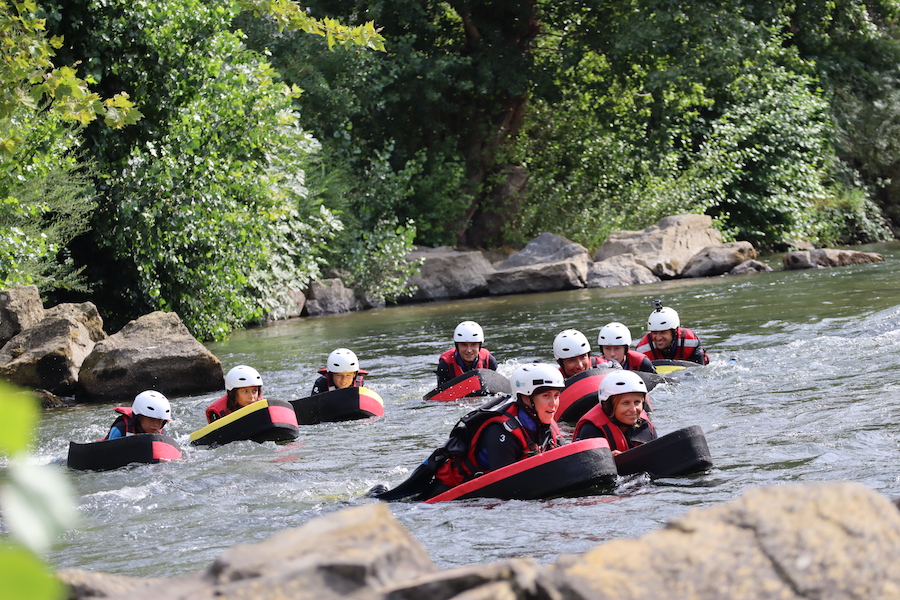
{"points": [[106, 455], [262, 421], [348, 404], [681, 452], [477, 382]]}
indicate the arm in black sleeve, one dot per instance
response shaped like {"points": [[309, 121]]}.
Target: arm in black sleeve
{"points": [[502, 447], [492, 363], [320, 386], [699, 355], [443, 373], [589, 430], [647, 366]]}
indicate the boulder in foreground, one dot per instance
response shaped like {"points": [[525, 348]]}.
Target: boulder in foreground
{"points": [[798, 542]]}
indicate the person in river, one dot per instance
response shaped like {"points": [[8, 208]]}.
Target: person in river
{"points": [[149, 413], [668, 340], [341, 371], [467, 353], [243, 387], [524, 426], [615, 343], [573, 353], [620, 416]]}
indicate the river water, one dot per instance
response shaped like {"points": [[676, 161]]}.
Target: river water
{"points": [[803, 386]]}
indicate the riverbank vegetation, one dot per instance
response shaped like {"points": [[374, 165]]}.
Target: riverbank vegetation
{"points": [[248, 155]]}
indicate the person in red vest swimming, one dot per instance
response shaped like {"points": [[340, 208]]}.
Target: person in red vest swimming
{"points": [[526, 426], [668, 340], [615, 343], [149, 413], [467, 353], [341, 371], [620, 416], [573, 353], [243, 387]]}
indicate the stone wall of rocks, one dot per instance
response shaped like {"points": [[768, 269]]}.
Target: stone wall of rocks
{"points": [[679, 246], [797, 542]]}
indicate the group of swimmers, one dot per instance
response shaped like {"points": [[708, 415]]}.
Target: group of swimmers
{"points": [[526, 425]]}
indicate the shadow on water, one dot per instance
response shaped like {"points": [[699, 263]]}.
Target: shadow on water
{"points": [[803, 387]]}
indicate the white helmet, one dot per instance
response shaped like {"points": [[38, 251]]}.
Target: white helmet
{"points": [[621, 382], [242, 376], [468, 331], [342, 361], [614, 334], [152, 404], [569, 343], [663, 319], [527, 378]]}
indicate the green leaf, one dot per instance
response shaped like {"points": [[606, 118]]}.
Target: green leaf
{"points": [[24, 577], [20, 415], [37, 504]]}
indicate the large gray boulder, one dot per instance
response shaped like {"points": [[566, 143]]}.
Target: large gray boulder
{"points": [[545, 248], [827, 257], [618, 271], [719, 259], [49, 354], [355, 553], [328, 297], [543, 277], [820, 540], [447, 273], [20, 308], [664, 248], [750, 267], [155, 352], [795, 542], [548, 263]]}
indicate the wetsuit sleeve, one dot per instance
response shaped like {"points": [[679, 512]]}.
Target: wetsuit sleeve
{"points": [[492, 363], [114, 433], [443, 373], [699, 355], [320, 386], [497, 447], [647, 366], [589, 430]]}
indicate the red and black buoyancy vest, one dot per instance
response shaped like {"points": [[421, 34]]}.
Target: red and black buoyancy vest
{"points": [[357, 382], [459, 469], [633, 360], [612, 432], [684, 344], [450, 356], [219, 408], [127, 417]]}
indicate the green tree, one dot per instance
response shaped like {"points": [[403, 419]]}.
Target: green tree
{"points": [[204, 208]]}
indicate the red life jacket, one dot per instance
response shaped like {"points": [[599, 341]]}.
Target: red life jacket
{"points": [[683, 343], [457, 470], [612, 432], [596, 361], [449, 357], [129, 419], [633, 360], [357, 382], [219, 408]]}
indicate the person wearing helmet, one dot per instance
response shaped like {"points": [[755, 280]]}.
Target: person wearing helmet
{"points": [[149, 413], [573, 353], [341, 371], [467, 353], [243, 387], [620, 416], [615, 343], [668, 340], [522, 427]]}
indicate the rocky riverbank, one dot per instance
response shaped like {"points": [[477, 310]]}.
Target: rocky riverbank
{"points": [[63, 351], [818, 540]]}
